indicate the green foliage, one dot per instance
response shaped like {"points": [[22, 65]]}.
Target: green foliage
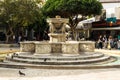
{"points": [[24, 12], [19, 13], [28, 12], [91, 7], [7, 11], [67, 8], [71, 9], [50, 7]]}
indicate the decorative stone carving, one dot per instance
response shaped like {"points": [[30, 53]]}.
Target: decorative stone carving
{"points": [[27, 46], [43, 47], [60, 28], [71, 47], [57, 29], [56, 47], [86, 46]]}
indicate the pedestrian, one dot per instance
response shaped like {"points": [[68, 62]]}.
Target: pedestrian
{"points": [[105, 42], [100, 43], [19, 39], [110, 42]]}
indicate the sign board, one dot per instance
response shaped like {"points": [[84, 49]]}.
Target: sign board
{"points": [[112, 19]]}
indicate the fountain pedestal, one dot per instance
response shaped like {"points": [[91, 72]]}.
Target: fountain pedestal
{"points": [[68, 47]]}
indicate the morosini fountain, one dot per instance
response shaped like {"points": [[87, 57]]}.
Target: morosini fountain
{"points": [[58, 52], [58, 44]]}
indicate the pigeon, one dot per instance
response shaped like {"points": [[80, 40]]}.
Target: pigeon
{"points": [[1, 60], [21, 73], [15, 54], [7, 54], [45, 59], [10, 49]]}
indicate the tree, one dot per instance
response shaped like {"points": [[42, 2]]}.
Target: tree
{"points": [[19, 13], [8, 9], [72, 9], [29, 13]]}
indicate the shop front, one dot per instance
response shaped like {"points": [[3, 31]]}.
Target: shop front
{"points": [[105, 28]]}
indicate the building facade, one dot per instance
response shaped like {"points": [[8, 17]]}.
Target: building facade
{"points": [[105, 27]]}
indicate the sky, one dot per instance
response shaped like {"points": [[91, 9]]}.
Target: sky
{"points": [[110, 8]]}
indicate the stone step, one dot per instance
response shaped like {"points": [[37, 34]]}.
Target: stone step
{"points": [[108, 64], [52, 60], [58, 62], [60, 57]]}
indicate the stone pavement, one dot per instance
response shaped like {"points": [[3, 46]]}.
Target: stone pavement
{"points": [[54, 74], [62, 74], [4, 49], [114, 52], [8, 47]]}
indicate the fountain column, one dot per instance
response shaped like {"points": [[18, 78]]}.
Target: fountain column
{"points": [[57, 33], [57, 29]]}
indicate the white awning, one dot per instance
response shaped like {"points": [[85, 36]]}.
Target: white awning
{"points": [[85, 24]]}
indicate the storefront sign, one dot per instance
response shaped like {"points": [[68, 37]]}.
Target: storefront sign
{"points": [[112, 19]]}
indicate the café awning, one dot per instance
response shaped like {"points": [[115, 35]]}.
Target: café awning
{"points": [[85, 24]]}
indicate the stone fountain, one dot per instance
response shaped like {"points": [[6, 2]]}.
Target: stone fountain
{"points": [[58, 43], [58, 52]]}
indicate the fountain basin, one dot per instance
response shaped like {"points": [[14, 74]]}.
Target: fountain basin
{"points": [[57, 37], [68, 47]]}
